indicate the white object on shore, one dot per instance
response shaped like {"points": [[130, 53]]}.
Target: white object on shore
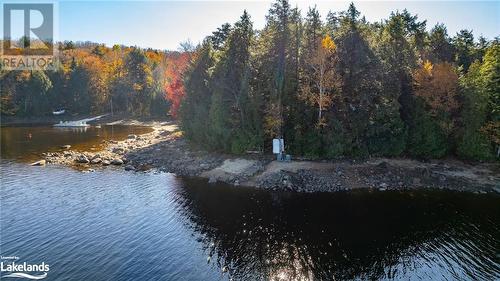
{"points": [[78, 123], [278, 146], [72, 124], [59, 112], [39, 163]]}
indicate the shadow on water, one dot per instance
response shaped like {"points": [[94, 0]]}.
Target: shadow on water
{"points": [[368, 235]]}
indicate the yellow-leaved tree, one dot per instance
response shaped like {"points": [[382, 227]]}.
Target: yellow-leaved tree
{"points": [[321, 85], [437, 85]]}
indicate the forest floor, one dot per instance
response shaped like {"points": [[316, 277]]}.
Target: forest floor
{"points": [[165, 149]]}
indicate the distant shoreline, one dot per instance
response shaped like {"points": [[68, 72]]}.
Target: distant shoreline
{"points": [[48, 120], [165, 149]]}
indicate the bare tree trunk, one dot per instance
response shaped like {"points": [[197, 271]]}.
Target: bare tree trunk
{"points": [[320, 101]]}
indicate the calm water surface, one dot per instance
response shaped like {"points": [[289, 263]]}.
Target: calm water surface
{"points": [[117, 225], [28, 142]]}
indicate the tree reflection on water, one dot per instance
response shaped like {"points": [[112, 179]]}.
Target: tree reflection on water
{"points": [[255, 234]]}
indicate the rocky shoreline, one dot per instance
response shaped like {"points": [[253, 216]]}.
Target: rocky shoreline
{"points": [[164, 149]]}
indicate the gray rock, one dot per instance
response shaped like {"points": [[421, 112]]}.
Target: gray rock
{"points": [[39, 163], [416, 181], [383, 165], [132, 137], [143, 167], [118, 150], [66, 146], [117, 161], [212, 180], [129, 168], [82, 159], [105, 162], [95, 160]]}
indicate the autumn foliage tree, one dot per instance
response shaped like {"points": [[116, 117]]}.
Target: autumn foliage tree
{"points": [[320, 87], [89, 78], [437, 85], [177, 64]]}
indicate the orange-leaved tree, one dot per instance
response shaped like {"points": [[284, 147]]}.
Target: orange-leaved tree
{"points": [[177, 63], [437, 85]]}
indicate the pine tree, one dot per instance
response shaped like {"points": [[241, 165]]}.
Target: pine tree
{"points": [[463, 44], [231, 91], [440, 48], [195, 107], [473, 142]]}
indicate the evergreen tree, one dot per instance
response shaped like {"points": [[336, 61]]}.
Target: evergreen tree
{"points": [[463, 44], [490, 72], [78, 88], [220, 36], [195, 108], [474, 143], [140, 80], [278, 96], [230, 82], [440, 48]]}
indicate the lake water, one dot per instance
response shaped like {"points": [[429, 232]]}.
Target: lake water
{"points": [[28, 142], [117, 225]]}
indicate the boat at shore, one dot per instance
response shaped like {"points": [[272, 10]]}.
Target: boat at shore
{"points": [[72, 124], [78, 123], [58, 112]]}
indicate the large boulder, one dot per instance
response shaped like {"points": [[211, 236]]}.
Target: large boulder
{"points": [[105, 162], [95, 160]]}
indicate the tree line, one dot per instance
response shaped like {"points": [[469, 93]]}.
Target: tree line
{"points": [[344, 87], [90, 78]]}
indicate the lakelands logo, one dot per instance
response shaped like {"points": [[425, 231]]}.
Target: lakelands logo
{"points": [[23, 270], [28, 36]]}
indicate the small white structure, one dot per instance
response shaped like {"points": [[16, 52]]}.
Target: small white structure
{"points": [[78, 123], [278, 146], [59, 112], [279, 150], [72, 124]]}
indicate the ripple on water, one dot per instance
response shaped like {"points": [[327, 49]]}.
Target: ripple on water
{"points": [[116, 225]]}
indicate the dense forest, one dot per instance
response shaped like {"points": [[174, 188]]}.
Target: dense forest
{"points": [[344, 87], [90, 78], [336, 87]]}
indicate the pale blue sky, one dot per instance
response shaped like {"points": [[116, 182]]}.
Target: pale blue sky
{"points": [[164, 24]]}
